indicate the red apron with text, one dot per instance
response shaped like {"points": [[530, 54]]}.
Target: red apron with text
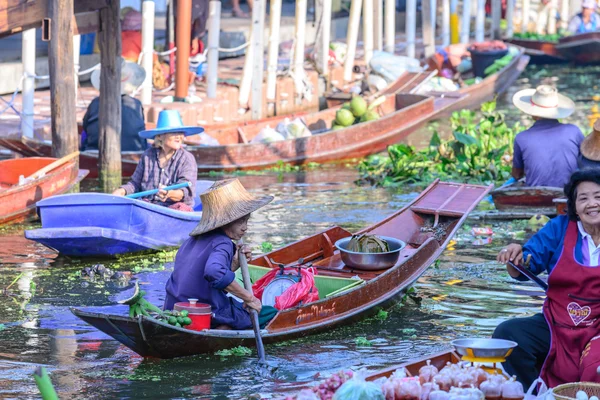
{"points": [[572, 310]]}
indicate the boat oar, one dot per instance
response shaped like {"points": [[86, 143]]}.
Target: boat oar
{"points": [[253, 314], [154, 191], [530, 275], [41, 172]]}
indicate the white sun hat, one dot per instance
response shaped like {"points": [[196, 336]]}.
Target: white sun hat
{"points": [[544, 102]]}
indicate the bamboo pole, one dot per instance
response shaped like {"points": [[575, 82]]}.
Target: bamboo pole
{"points": [[552, 17], [454, 23], [183, 37], [300, 39], [352, 38], [62, 74], [147, 49], [480, 21], [445, 23], [258, 27], [109, 116], [28, 59], [378, 24], [510, 16], [390, 25], [564, 14], [273, 53], [367, 30], [496, 17], [525, 16], [325, 35], [428, 29], [214, 31], [411, 28], [465, 29]]}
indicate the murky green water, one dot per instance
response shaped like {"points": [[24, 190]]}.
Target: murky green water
{"points": [[467, 294]]}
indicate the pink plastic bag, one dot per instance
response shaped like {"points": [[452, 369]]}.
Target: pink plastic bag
{"points": [[304, 291]]}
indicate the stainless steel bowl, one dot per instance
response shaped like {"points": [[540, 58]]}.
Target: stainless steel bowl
{"points": [[484, 348], [371, 261]]}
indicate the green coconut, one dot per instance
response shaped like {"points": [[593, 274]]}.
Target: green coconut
{"points": [[369, 116], [344, 117], [335, 127], [346, 106], [537, 222], [358, 106]]}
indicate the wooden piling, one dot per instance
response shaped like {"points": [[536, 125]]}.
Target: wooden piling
{"points": [[564, 14], [465, 30], [323, 47], [510, 16], [428, 28], [147, 49], [551, 30], [411, 28], [214, 30], [367, 30], [496, 17], [378, 24], [390, 25], [352, 38], [480, 21], [525, 16], [445, 22], [183, 37], [109, 118], [62, 85], [258, 29], [28, 60]]}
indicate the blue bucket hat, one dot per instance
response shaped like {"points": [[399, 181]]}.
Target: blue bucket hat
{"points": [[169, 121]]}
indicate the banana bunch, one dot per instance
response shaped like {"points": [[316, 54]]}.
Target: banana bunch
{"points": [[143, 307]]}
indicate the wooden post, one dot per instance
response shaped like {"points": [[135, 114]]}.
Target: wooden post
{"points": [[273, 54], [147, 49], [496, 17], [258, 28], [246, 83], [525, 16], [76, 51], [378, 24], [28, 59], [465, 30], [390, 25], [411, 28], [445, 22], [62, 86], [214, 31], [325, 36], [510, 16], [109, 118], [552, 17], [352, 38], [368, 30], [428, 30], [454, 24], [480, 21], [183, 37], [564, 14], [300, 39]]}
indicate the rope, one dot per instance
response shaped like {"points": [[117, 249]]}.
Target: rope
{"points": [[38, 77], [170, 87], [87, 71], [166, 53]]}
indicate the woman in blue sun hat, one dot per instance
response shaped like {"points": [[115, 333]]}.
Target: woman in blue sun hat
{"points": [[166, 163]]}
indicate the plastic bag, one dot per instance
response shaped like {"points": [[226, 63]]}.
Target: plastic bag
{"points": [[293, 129], [267, 135], [359, 389], [391, 66], [304, 291]]}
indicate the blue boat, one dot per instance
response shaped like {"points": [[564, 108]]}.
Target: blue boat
{"points": [[103, 225]]}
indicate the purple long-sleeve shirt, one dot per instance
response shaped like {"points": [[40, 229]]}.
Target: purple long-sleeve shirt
{"points": [[149, 175], [202, 271]]}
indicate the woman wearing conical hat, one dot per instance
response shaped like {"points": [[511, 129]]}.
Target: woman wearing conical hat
{"points": [[166, 163], [590, 149], [546, 154], [205, 264]]}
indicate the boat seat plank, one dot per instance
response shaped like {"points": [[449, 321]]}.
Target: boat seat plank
{"points": [[449, 200]]}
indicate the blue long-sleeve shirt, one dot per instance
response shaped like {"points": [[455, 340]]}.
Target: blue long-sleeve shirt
{"points": [[546, 246]]}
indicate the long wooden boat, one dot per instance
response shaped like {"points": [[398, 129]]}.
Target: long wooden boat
{"points": [[401, 114], [583, 48], [18, 202], [516, 198], [102, 225], [426, 225], [540, 51]]}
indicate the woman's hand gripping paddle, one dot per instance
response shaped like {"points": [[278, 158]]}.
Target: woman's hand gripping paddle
{"points": [[253, 314]]}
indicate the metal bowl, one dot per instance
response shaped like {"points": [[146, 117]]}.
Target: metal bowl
{"points": [[484, 348], [371, 261]]}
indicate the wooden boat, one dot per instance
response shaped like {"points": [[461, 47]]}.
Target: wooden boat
{"points": [[426, 225], [401, 114], [539, 51], [17, 202], [561, 206], [438, 360], [583, 48], [517, 198], [101, 225]]}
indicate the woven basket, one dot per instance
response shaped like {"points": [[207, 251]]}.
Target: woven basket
{"points": [[568, 391]]}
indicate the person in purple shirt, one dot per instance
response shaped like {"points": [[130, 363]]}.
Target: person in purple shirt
{"points": [[205, 264], [589, 156], [546, 154], [544, 250], [166, 163]]}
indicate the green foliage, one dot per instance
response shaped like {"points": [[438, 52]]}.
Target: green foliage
{"points": [[362, 341], [381, 315], [2, 327], [480, 150], [266, 247], [537, 36], [238, 351]]}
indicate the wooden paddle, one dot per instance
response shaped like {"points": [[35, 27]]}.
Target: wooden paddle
{"points": [[253, 314], [41, 172], [530, 275], [154, 191]]}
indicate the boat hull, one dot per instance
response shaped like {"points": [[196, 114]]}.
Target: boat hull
{"points": [[539, 51], [18, 202], [581, 49], [523, 198]]}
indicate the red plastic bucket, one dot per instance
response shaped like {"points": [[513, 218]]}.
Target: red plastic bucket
{"points": [[199, 313]]}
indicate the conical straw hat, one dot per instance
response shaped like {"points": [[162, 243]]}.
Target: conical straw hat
{"points": [[590, 147], [224, 202]]}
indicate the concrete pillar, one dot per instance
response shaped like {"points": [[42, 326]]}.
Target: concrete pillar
{"points": [[28, 59]]}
